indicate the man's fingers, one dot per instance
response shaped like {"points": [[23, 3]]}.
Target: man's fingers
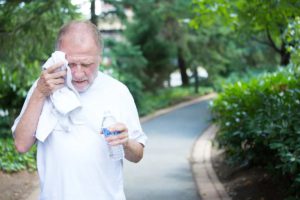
{"points": [[58, 81], [47, 87], [121, 138], [54, 75], [58, 86], [119, 127], [55, 67], [59, 74]]}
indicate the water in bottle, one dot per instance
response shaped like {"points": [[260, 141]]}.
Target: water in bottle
{"points": [[116, 152]]}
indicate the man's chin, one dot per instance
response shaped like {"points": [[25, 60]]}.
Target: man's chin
{"points": [[82, 89]]}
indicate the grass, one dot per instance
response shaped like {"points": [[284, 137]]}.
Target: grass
{"points": [[168, 97]]}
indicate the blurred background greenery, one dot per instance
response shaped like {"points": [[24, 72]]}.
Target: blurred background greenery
{"points": [[167, 51]]}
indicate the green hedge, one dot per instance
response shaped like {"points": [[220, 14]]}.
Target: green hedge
{"points": [[260, 123]]}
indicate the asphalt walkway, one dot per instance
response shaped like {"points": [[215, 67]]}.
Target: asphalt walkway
{"points": [[166, 172]]}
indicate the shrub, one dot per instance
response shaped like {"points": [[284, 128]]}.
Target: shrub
{"points": [[260, 123], [12, 161]]}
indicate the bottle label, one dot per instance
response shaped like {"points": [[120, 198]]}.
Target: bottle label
{"points": [[107, 132]]}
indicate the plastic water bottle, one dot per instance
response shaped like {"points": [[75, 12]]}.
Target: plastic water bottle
{"points": [[116, 152]]}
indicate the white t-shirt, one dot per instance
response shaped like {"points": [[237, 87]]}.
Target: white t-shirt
{"points": [[74, 164]]}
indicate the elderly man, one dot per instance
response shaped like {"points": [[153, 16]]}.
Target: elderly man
{"points": [[73, 162]]}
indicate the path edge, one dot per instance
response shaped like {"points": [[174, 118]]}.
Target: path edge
{"points": [[207, 182]]}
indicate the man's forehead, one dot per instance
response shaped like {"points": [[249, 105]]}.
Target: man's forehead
{"points": [[81, 58]]}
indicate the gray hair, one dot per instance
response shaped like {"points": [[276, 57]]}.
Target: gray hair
{"points": [[92, 28]]}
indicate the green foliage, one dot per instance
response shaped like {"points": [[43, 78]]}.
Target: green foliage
{"points": [[261, 21], [243, 76], [160, 30], [210, 11], [292, 35], [5, 125], [12, 161], [248, 16], [167, 97], [146, 31], [222, 46], [259, 123], [222, 52]]}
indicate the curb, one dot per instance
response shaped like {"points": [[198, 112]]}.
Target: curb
{"points": [[208, 184]]}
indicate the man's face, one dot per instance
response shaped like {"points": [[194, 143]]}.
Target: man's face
{"points": [[83, 57]]}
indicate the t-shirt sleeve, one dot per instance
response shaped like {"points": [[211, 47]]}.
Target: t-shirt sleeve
{"points": [[13, 128], [131, 118]]}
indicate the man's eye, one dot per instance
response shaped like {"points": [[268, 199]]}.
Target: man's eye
{"points": [[72, 65], [86, 65]]}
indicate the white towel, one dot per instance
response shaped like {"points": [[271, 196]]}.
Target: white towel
{"points": [[61, 103]]}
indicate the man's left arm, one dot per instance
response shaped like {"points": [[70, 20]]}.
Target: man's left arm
{"points": [[134, 139]]}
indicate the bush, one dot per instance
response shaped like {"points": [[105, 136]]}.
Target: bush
{"points": [[260, 123], [12, 161], [234, 77]]}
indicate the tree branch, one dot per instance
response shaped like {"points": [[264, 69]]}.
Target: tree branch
{"points": [[272, 43]]}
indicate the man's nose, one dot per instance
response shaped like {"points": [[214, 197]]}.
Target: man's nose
{"points": [[77, 69], [76, 66]]}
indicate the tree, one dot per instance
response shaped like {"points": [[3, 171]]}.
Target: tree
{"points": [[94, 17], [262, 21], [160, 23], [144, 32], [175, 15]]}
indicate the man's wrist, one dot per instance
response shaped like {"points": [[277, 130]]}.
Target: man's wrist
{"points": [[126, 144], [38, 94]]}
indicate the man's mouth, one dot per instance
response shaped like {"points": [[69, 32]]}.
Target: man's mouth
{"points": [[79, 82]]}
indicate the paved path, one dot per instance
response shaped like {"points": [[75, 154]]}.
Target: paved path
{"points": [[165, 172]]}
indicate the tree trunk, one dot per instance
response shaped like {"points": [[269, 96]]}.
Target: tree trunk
{"points": [[93, 13], [284, 55], [182, 67], [196, 80]]}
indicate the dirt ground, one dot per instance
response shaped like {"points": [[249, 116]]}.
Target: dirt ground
{"points": [[245, 183], [17, 186]]}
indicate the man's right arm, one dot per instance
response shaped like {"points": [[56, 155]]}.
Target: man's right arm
{"points": [[25, 130], [49, 81]]}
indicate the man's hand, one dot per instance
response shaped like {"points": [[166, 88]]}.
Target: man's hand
{"points": [[133, 150], [121, 138], [51, 79]]}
